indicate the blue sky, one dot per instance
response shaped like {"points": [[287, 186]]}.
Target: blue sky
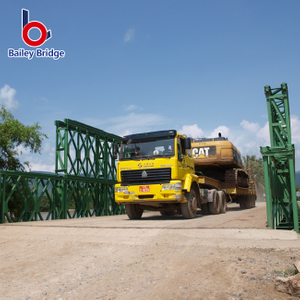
{"points": [[199, 67]]}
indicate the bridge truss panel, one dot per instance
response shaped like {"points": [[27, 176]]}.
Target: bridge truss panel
{"points": [[82, 150], [85, 177], [279, 163]]}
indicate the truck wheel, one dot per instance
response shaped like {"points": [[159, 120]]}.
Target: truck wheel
{"points": [[223, 202], [204, 209], [214, 207], [189, 208], [134, 211]]}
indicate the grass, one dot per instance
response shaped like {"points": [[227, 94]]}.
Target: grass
{"points": [[287, 272]]}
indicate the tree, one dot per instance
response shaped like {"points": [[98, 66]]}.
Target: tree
{"points": [[14, 134], [258, 171]]}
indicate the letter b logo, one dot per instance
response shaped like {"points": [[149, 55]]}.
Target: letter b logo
{"points": [[26, 26]]}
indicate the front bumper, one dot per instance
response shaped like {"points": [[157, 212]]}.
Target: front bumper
{"points": [[149, 193]]}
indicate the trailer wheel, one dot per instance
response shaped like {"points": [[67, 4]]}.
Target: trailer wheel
{"points": [[189, 208], [134, 211], [223, 202], [214, 207], [242, 202], [245, 202], [204, 209]]}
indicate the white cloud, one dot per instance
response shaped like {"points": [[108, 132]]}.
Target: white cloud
{"points": [[47, 148], [21, 150], [7, 97], [136, 123], [26, 152], [129, 35], [254, 127], [130, 107], [37, 162], [40, 166], [224, 130], [295, 128], [249, 141], [263, 135], [127, 132], [192, 131]]}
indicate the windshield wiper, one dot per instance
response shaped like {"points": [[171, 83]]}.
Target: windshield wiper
{"points": [[155, 156]]}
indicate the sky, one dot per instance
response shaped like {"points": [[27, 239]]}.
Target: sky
{"points": [[198, 67]]}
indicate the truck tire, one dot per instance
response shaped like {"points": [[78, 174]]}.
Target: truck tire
{"points": [[214, 207], [204, 209], [189, 208], [134, 211], [223, 202]]}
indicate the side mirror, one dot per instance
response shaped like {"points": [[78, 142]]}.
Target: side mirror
{"points": [[187, 143], [179, 157], [116, 150]]}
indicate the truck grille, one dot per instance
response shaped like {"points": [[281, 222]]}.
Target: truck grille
{"points": [[146, 176]]}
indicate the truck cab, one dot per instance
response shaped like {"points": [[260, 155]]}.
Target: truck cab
{"points": [[156, 171]]}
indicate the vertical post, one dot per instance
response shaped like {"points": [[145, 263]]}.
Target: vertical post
{"points": [[2, 198], [66, 150], [56, 148], [293, 191], [267, 176]]}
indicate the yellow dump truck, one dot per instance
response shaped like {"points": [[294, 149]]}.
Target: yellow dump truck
{"points": [[168, 172]]}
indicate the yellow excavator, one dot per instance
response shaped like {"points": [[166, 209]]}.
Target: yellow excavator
{"points": [[219, 165]]}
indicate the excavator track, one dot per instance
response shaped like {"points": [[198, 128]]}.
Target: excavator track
{"points": [[240, 179], [237, 177]]}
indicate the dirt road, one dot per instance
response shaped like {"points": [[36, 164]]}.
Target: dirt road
{"points": [[230, 256]]}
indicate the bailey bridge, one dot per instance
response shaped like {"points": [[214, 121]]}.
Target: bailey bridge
{"points": [[85, 174]]}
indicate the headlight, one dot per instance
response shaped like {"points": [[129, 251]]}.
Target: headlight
{"points": [[122, 189], [176, 187]]}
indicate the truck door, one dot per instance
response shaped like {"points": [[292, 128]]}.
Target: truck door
{"points": [[182, 163]]}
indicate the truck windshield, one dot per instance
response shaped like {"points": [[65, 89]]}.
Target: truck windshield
{"points": [[145, 149]]}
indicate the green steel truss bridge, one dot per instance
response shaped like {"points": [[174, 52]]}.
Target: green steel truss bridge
{"points": [[279, 163], [85, 175]]}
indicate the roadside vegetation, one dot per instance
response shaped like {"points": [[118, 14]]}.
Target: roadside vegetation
{"points": [[256, 165], [15, 136]]}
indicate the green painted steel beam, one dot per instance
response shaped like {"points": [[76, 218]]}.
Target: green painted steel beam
{"points": [[74, 126], [279, 163]]}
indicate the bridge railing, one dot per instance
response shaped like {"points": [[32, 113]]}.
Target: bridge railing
{"points": [[30, 196]]}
